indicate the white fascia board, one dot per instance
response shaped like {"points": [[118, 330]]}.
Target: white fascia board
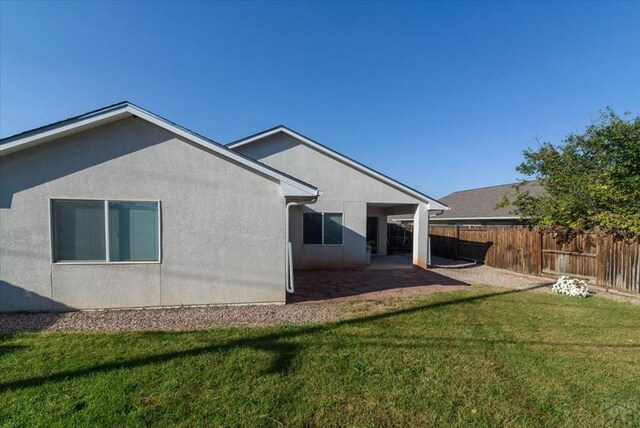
{"points": [[436, 206], [289, 184], [257, 137], [432, 203], [294, 191]]}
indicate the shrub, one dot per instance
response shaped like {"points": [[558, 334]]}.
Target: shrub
{"points": [[571, 287]]}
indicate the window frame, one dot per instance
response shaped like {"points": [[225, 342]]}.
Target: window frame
{"points": [[322, 213], [107, 260]]}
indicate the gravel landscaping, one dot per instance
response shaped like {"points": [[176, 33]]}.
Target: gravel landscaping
{"points": [[479, 274], [185, 318], [475, 274], [191, 318]]}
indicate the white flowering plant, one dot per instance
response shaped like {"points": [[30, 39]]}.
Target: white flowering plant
{"points": [[571, 287]]}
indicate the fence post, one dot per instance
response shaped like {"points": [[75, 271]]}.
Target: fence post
{"points": [[598, 256], [457, 242], [540, 253]]}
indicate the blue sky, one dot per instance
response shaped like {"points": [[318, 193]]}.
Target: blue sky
{"points": [[442, 96]]}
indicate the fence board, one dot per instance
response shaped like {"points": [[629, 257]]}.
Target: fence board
{"points": [[445, 239], [593, 256], [618, 264], [516, 248], [399, 238], [472, 243]]}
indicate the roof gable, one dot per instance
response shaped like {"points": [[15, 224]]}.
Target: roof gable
{"points": [[290, 186], [434, 204]]}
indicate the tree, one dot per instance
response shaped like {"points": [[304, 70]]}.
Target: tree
{"points": [[590, 180]]}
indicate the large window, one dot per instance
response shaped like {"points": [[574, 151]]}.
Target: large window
{"points": [[105, 231], [322, 228]]}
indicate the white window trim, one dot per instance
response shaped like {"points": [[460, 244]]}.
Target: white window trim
{"points": [[107, 260], [323, 244]]}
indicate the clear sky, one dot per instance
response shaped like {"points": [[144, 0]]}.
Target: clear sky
{"points": [[441, 96]]}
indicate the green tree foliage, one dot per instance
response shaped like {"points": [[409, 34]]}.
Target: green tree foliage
{"points": [[590, 180]]}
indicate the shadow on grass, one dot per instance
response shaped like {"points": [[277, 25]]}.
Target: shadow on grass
{"points": [[5, 349], [284, 353], [411, 342]]}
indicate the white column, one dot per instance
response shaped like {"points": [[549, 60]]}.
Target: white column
{"points": [[421, 236]]}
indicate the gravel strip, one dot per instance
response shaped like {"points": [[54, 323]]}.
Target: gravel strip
{"points": [[192, 318], [172, 319], [478, 274]]}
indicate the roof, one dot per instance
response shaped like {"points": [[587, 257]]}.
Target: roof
{"points": [[291, 186], [481, 203], [434, 204]]}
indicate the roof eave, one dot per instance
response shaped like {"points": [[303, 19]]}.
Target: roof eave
{"points": [[74, 126], [124, 110], [434, 204]]}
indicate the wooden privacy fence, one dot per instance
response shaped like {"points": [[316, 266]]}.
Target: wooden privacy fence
{"points": [[596, 257], [399, 238]]}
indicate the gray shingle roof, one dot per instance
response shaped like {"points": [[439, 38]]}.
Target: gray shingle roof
{"points": [[479, 203]]}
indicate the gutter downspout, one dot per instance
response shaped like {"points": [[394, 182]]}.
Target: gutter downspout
{"points": [[288, 250], [429, 240]]}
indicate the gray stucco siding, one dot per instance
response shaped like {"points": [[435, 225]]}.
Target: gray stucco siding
{"points": [[343, 189], [336, 180], [346, 255], [222, 227]]}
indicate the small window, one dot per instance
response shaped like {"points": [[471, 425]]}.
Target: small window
{"points": [[105, 231], [312, 228], [322, 229], [78, 230], [332, 229], [133, 231]]}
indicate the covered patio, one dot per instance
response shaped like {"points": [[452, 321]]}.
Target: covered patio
{"points": [[387, 277], [378, 215]]}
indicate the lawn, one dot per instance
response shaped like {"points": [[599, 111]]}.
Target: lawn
{"points": [[483, 357]]}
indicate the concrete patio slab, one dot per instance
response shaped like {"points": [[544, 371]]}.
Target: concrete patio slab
{"points": [[400, 261]]}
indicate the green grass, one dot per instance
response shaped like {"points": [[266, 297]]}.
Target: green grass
{"points": [[483, 357]]}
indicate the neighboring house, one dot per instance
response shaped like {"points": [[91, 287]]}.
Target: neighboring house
{"points": [[122, 208], [478, 206]]}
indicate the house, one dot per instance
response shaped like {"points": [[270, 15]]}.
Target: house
{"points": [[122, 208], [478, 207]]}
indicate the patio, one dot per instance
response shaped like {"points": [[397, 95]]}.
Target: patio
{"points": [[387, 277]]}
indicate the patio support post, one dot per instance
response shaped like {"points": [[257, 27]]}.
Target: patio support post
{"points": [[421, 236]]}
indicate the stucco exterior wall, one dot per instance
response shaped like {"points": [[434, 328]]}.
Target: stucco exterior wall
{"points": [[222, 227], [344, 189]]}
